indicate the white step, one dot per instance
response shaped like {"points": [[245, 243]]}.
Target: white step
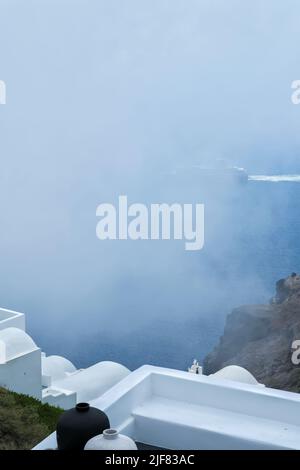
{"points": [[160, 421]]}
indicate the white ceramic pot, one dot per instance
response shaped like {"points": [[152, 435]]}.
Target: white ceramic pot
{"points": [[110, 440]]}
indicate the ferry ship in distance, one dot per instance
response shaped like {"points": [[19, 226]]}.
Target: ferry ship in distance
{"points": [[199, 174]]}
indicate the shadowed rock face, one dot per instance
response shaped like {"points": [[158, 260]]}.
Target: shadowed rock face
{"points": [[260, 337]]}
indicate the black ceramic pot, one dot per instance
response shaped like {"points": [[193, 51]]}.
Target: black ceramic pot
{"points": [[76, 426]]}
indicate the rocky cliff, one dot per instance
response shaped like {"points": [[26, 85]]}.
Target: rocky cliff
{"points": [[260, 338]]}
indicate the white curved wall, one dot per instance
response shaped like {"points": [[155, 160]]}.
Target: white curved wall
{"points": [[56, 367], [237, 374], [15, 342], [92, 382]]}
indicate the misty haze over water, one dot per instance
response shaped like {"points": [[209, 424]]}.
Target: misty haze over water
{"points": [[252, 240], [103, 98]]}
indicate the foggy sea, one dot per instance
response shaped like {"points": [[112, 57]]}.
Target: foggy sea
{"points": [[102, 97], [148, 302]]}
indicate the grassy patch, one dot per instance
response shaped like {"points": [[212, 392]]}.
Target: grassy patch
{"points": [[24, 421]]}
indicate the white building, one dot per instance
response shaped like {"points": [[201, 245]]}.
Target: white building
{"points": [[20, 362], [24, 368], [155, 406]]}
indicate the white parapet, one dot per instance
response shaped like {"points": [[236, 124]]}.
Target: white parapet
{"points": [[11, 319], [59, 397], [178, 410]]}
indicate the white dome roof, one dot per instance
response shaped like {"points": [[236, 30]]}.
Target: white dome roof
{"points": [[237, 374], [92, 382], [15, 342], [57, 367]]}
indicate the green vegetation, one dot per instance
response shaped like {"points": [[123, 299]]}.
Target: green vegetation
{"points": [[24, 421]]}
